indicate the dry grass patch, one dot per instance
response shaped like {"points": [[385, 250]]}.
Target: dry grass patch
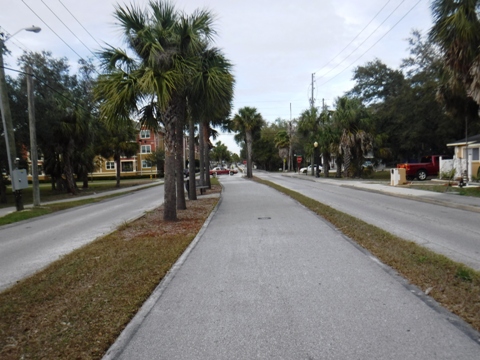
{"points": [[452, 284], [76, 308]]}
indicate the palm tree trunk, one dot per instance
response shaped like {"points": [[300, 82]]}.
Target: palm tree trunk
{"points": [[85, 180], [68, 169], [170, 194], [117, 169], [249, 140], [179, 164], [192, 191], [326, 164], [206, 154], [338, 161], [346, 162], [202, 159]]}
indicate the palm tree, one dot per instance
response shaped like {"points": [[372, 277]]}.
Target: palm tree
{"points": [[309, 127], [327, 137], [352, 119], [456, 30], [210, 100], [248, 121], [165, 44], [282, 143]]}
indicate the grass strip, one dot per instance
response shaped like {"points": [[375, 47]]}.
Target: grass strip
{"points": [[445, 188], [77, 307], [453, 285], [94, 187], [34, 212]]}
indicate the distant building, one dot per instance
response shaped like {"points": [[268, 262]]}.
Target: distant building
{"points": [[467, 149], [148, 141]]}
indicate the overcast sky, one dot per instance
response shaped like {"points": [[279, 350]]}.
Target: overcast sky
{"points": [[275, 45]]}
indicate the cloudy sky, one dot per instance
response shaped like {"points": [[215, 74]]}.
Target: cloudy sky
{"points": [[275, 45]]}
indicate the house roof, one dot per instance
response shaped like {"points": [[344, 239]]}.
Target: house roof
{"points": [[475, 139]]}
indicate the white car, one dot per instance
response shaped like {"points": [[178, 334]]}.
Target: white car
{"points": [[308, 169]]}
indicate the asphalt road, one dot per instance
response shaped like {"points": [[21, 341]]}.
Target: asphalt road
{"points": [[268, 279], [28, 246], [450, 231]]}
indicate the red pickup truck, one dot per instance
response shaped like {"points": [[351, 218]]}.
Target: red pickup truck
{"points": [[428, 166]]}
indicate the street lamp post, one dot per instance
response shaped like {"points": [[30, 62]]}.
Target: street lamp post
{"points": [[7, 117], [315, 149]]}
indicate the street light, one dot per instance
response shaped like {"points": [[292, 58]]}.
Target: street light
{"points": [[7, 116], [315, 152]]}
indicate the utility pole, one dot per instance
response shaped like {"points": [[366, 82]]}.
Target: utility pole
{"points": [[312, 99], [290, 166], [7, 118], [33, 137], [466, 148], [8, 128]]}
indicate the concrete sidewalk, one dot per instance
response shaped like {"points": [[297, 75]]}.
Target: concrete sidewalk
{"points": [[268, 279]]}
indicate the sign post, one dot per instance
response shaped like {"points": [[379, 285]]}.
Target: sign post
{"points": [[299, 161]]}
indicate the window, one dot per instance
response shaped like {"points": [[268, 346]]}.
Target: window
{"points": [[146, 164], [146, 149], [144, 134], [475, 154], [127, 166], [110, 165]]}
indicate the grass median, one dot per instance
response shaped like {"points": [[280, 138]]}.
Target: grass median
{"points": [[453, 285], [77, 306]]}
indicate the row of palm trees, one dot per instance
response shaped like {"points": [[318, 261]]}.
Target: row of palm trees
{"points": [[345, 133], [169, 76]]}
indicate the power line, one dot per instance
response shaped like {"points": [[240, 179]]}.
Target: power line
{"points": [[408, 12], [53, 31], [79, 23], [361, 31], [363, 42], [48, 7], [44, 83]]}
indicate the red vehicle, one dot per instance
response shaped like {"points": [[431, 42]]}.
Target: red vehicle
{"points": [[428, 166], [222, 171]]}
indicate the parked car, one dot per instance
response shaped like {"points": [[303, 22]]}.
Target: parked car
{"points": [[222, 171], [308, 169], [428, 166], [367, 164]]}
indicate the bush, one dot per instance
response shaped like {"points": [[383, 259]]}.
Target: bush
{"points": [[447, 174]]}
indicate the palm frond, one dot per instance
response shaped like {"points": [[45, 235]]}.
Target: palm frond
{"points": [[112, 58]]}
